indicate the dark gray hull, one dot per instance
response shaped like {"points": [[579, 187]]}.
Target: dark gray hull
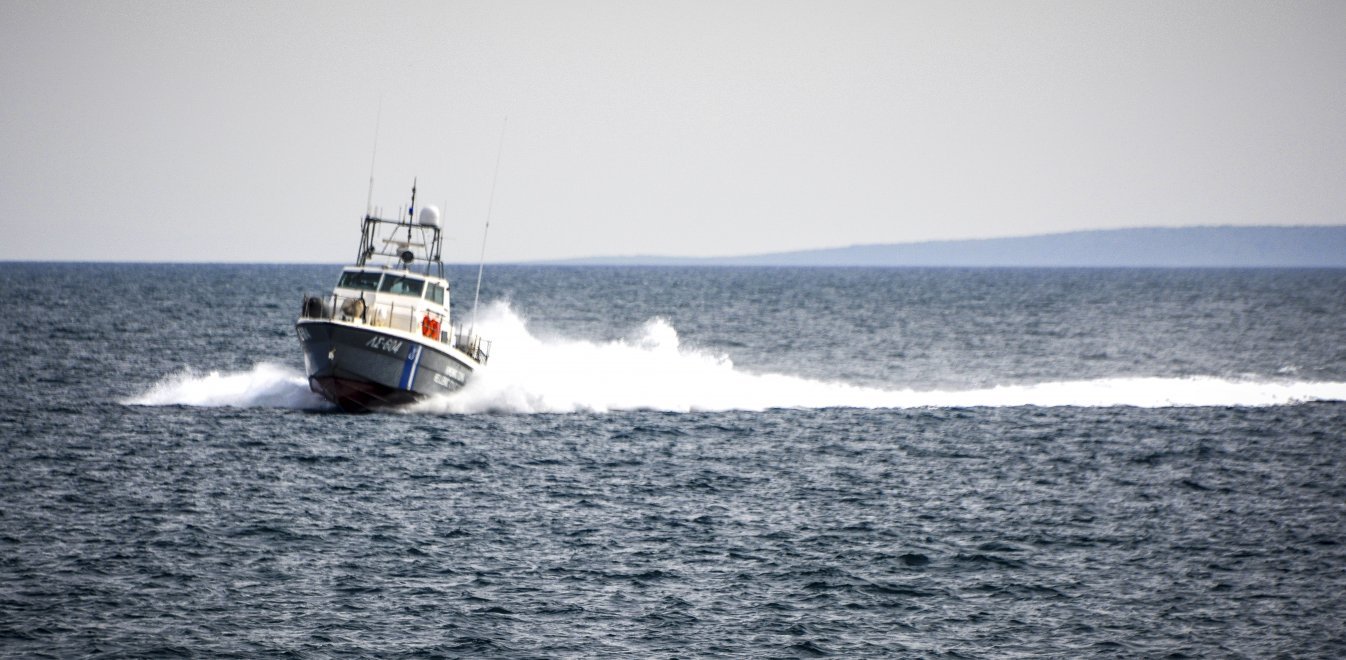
{"points": [[361, 369]]}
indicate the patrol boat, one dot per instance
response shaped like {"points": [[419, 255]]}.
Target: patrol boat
{"points": [[384, 337]]}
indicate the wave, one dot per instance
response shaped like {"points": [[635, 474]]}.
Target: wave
{"points": [[265, 385], [651, 370]]}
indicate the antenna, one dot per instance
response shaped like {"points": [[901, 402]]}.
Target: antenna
{"points": [[481, 263], [369, 200], [411, 211], [439, 246]]}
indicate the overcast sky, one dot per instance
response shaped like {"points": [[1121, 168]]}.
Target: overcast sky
{"points": [[243, 131]]}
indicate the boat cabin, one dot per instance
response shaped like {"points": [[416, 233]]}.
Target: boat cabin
{"points": [[406, 294], [394, 298]]}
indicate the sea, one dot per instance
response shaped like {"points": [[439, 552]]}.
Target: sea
{"points": [[666, 462]]}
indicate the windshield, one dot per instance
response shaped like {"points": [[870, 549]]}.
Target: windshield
{"points": [[402, 285], [359, 280]]}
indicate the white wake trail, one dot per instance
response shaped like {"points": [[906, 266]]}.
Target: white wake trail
{"points": [[652, 371], [266, 385]]}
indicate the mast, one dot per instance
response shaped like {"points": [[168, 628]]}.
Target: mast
{"points": [[378, 236], [411, 210]]}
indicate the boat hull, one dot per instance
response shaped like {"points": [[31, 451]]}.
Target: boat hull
{"points": [[361, 369]]}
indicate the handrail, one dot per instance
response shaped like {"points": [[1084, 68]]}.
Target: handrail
{"points": [[383, 314]]}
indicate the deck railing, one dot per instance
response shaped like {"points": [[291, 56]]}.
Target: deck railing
{"points": [[408, 318]]}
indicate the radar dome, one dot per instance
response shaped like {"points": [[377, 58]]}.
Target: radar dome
{"points": [[429, 216]]}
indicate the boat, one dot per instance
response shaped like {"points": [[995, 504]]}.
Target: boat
{"points": [[384, 337]]}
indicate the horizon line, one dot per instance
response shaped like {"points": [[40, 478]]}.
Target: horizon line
{"points": [[699, 260]]}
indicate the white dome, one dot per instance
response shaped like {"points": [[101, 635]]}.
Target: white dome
{"points": [[429, 216]]}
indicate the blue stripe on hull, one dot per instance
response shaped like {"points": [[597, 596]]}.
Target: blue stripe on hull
{"points": [[409, 368]]}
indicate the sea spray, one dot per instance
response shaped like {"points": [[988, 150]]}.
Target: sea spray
{"points": [[264, 385], [650, 369]]}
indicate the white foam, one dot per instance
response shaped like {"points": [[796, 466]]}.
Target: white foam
{"points": [[265, 385], [652, 371]]}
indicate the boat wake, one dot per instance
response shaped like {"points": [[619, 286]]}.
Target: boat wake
{"points": [[266, 385], [651, 370]]}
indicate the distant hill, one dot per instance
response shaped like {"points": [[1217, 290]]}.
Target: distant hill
{"points": [[1186, 247]]}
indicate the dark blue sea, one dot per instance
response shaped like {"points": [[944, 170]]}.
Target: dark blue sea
{"points": [[669, 462]]}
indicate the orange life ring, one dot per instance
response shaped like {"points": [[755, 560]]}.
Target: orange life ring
{"points": [[430, 327]]}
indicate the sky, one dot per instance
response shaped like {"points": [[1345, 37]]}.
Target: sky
{"points": [[245, 131]]}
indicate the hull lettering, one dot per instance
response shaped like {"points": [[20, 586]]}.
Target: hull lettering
{"points": [[384, 344]]}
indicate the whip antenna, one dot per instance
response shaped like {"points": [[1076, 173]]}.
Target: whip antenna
{"points": [[481, 263], [369, 201]]}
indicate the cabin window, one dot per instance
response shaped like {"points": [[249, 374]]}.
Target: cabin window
{"points": [[402, 285], [435, 294], [359, 280]]}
